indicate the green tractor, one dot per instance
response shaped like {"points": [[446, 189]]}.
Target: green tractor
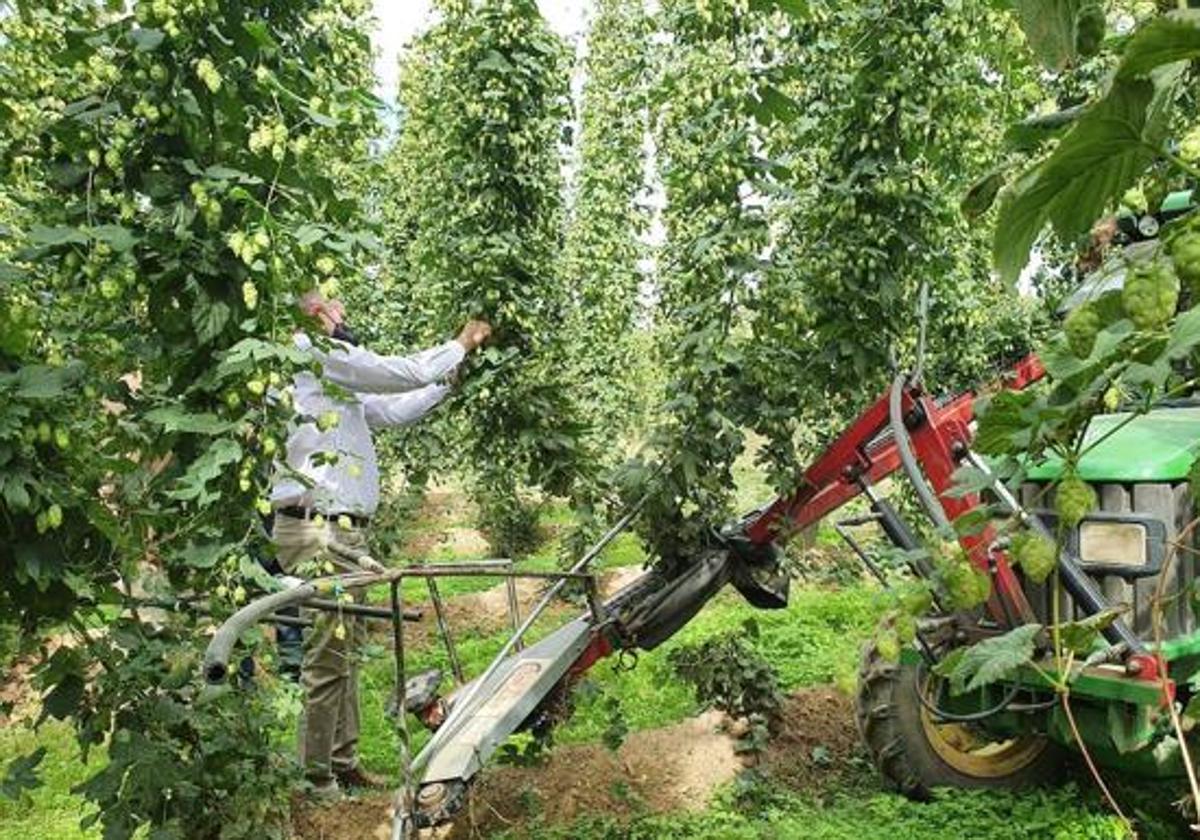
{"points": [[1134, 554]]}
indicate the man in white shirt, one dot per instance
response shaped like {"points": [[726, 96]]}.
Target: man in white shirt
{"points": [[324, 495]]}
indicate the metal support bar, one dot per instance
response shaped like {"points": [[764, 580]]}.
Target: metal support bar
{"points": [[403, 826], [871, 565], [439, 612], [514, 606]]}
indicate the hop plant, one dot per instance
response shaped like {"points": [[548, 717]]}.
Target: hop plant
{"points": [[1185, 253], [1150, 295], [1035, 554], [1081, 327], [1073, 500]]}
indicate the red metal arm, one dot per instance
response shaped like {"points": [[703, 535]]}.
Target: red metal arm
{"points": [[863, 455]]}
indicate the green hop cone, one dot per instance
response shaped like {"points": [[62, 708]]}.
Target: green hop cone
{"points": [[1185, 253], [1081, 327], [888, 645], [906, 627], [966, 585], [1150, 295], [1073, 500], [916, 602], [1090, 27], [1036, 555]]}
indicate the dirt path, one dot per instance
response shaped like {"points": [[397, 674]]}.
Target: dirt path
{"points": [[670, 769]]}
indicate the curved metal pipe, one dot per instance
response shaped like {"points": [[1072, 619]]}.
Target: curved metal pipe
{"points": [[904, 448]]}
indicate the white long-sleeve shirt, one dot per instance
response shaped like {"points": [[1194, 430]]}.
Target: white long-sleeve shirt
{"points": [[340, 463]]}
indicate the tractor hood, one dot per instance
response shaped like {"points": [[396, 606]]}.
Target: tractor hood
{"points": [[1158, 446]]}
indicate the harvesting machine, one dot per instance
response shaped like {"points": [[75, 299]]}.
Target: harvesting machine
{"points": [[1009, 733]]}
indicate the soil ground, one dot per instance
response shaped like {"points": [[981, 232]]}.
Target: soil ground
{"points": [[666, 770]]}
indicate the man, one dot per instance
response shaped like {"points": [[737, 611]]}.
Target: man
{"points": [[324, 496]]}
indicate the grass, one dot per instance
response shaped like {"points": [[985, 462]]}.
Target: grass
{"points": [[49, 811]]}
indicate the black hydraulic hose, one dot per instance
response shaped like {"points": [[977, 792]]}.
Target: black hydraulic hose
{"points": [[904, 448], [966, 717]]}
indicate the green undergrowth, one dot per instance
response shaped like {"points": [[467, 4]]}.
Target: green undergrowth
{"points": [[1067, 813]]}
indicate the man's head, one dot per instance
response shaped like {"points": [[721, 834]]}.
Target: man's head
{"points": [[331, 314]]}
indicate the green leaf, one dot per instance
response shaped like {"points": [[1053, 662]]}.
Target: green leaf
{"points": [[53, 236], [226, 173], [796, 8], [120, 239], [1003, 428], [209, 318], [982, 194], [1029, 135], [209, 466], [773, 105], [1102, 156], [309, 234], [321, 119], [995, 659], [63, 700], [1080, 636], [147, 40], [39, 382], [13, 490], [252, 570], [1185, 334], [204, 555], [1049, 27], [175, 418], [1172, 37], [493, 62], [21, 774]]}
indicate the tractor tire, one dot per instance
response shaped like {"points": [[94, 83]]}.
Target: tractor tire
{"points": [[916, 754]]}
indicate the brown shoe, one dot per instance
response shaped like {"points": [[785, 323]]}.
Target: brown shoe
{"points": [[322, 791], [356, 777]]}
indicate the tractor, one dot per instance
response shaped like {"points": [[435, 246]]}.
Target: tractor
{"points": [[1010, 733]]}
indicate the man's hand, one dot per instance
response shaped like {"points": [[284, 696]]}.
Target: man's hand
{"points": [[473, 334], [369, 564]]}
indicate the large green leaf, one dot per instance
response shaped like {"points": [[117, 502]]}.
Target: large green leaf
{"points": [[21, 774], [994, 659], [42, 235], [1101, 157], [1172, 37], [175, 418], [1049, 26]]}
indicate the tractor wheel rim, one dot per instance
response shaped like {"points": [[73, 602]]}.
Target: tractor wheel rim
{"points": [[968, 752]]}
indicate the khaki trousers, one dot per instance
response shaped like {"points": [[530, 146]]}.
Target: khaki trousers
{"points": [[328, 730]]}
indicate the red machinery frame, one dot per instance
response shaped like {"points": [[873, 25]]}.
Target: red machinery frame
{"points": [[862, 456], [941, 435]]}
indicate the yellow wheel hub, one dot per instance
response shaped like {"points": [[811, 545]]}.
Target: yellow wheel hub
{"points": [[971, 753]]}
